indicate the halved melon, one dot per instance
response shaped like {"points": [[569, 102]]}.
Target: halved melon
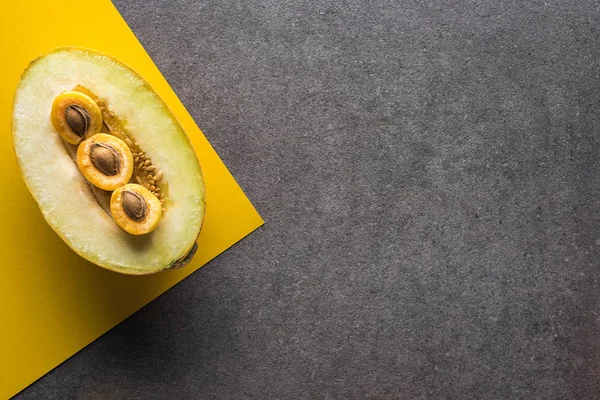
{"points": [[164, 162]]}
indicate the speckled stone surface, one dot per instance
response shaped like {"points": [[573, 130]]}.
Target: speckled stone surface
{"points": [[428, 173]]}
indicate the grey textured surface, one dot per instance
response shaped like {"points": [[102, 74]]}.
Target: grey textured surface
{"points": [[428, 172]]}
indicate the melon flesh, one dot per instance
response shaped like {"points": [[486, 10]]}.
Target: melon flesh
{"points": [[61, 191]]}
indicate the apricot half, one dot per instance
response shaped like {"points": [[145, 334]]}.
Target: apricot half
{"points": [[105, 161], [135, 209], [75, 116]]}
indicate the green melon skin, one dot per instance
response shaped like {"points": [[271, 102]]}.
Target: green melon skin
{"points": [[62, 193]]}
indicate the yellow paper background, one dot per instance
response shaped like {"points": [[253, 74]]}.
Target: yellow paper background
{"points": [[52, 302]]}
